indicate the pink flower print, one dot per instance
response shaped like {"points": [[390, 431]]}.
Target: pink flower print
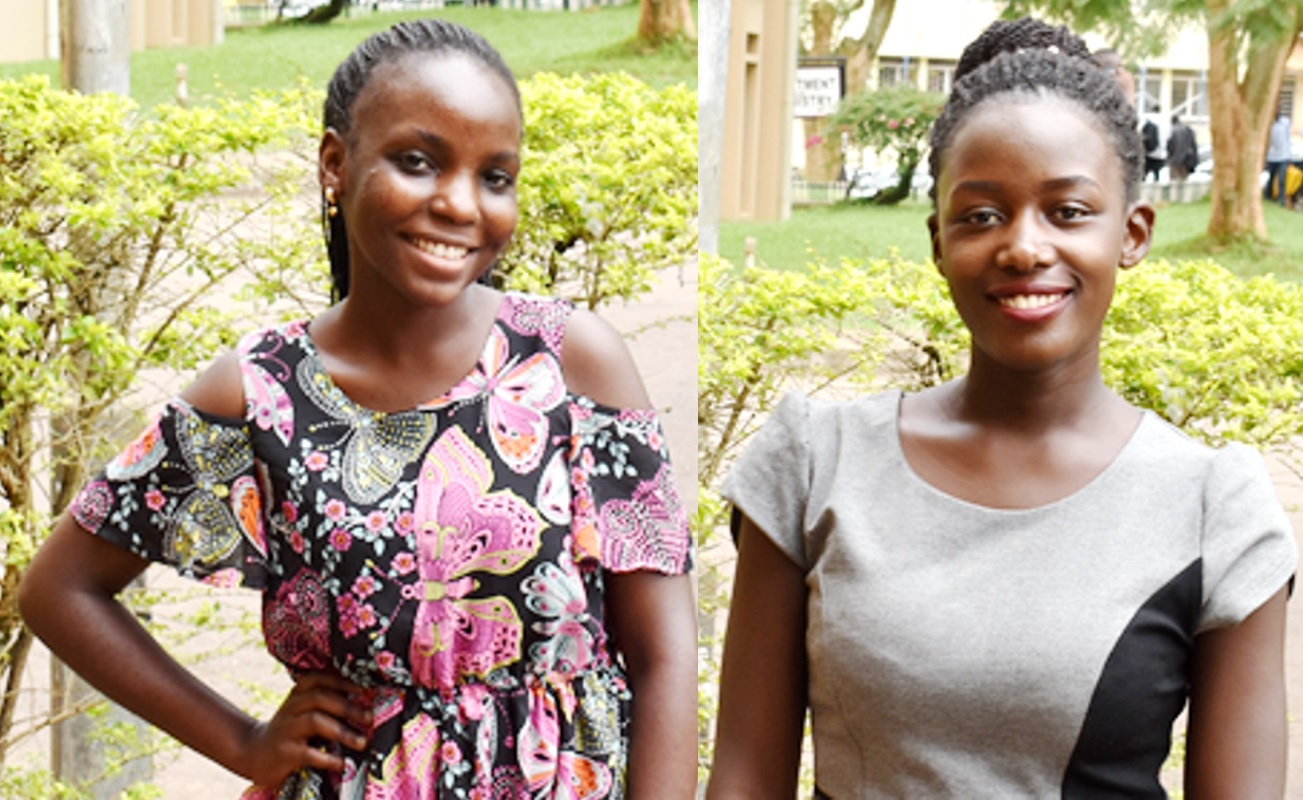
{"points": [[316, 461], [463, 529], [364, 586], [347, 606], [290, 512], [385, 660], [376, 521], [471, 702], [542, 317], [450, 753], [340, 539], [403, 563], [366, 616], [405, 523], [646, 531], [296, 542], [654, 440], [296, 623], [92, 505], [154, 499], [335, 509], [518, 397]]}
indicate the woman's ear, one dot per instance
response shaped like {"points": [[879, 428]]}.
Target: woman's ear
{"points": [[935, 238], [1139, 234], [330, 161]]}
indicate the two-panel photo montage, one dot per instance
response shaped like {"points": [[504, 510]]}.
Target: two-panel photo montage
{"points": [[350, 349]]}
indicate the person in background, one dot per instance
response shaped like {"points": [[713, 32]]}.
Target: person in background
{"points": [[1182, 150], [1278, 156], [1155, 155]]}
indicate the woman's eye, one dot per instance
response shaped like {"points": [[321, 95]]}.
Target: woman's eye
{"points": [[1072, 213], [981, 216], [414, 162], [500, 181]]}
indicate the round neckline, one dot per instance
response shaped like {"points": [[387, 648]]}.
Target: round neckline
{"points": [[313, 355], [1088, 488]]}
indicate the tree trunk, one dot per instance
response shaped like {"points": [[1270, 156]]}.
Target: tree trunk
{"points": [[823, 156], [861, 52], [323, 14], [665, 20], [1242, 112]]}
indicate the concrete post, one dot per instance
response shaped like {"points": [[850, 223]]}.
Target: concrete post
{"points": [[96, 50], [712, 76], [96, 57]]}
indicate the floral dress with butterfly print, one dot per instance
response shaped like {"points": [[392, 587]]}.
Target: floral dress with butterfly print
{"points": [[449, 558]]}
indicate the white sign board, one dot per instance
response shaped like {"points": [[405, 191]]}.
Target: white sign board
{"points": [[818, 90]]}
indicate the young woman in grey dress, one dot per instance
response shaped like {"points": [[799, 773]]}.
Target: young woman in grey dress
{"points": [[1011, 584]]}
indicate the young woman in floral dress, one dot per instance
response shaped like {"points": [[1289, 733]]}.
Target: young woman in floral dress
{"points": [[456, 501]]}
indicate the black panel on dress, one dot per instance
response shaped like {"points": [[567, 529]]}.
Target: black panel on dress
{"points": [[1126, 734]]}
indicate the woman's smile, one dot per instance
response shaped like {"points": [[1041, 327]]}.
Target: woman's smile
{"points": [[426, 179], [1029, 233]]}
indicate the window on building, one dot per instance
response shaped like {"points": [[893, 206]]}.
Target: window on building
{"points": [[892, 71], [1150, 94], [1189, 96], [1285, 102], [940, 77]]}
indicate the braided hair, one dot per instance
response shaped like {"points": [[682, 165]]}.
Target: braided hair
{"points": [[432, 36], [1027, 57]]}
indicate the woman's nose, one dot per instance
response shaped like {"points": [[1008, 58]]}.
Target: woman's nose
{"points": [[455, 198], [1027, 247]]}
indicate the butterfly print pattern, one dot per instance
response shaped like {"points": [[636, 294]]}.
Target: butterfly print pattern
{"points": [[450, 556]]}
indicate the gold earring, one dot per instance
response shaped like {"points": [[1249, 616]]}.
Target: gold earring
{"points": [[332, 210]]}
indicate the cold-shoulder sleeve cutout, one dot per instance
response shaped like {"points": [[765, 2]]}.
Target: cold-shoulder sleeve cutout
{"points": [[186, 493], [627, 514], [1248, 546], [597, 364], [770, 483]]}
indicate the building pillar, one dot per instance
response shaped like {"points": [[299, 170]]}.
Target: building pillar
{"points": [[712, 75], [96, 47], [757, 165]]}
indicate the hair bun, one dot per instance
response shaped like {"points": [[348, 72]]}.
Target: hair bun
{"points": [[1011, 36]]}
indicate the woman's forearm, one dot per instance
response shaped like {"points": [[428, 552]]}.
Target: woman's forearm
{"points": [[663, 735], [68, 601]]}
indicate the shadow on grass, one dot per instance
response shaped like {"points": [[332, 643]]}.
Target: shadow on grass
{"points": [[1246, 256]]}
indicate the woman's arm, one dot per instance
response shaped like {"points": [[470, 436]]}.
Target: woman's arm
{"points": [[1237, 730], [653, 619], [68, 598], [763, 686], [652, 616]]}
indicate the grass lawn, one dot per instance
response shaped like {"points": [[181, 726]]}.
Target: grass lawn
{"points": [[271, 57], [862, 232]]}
